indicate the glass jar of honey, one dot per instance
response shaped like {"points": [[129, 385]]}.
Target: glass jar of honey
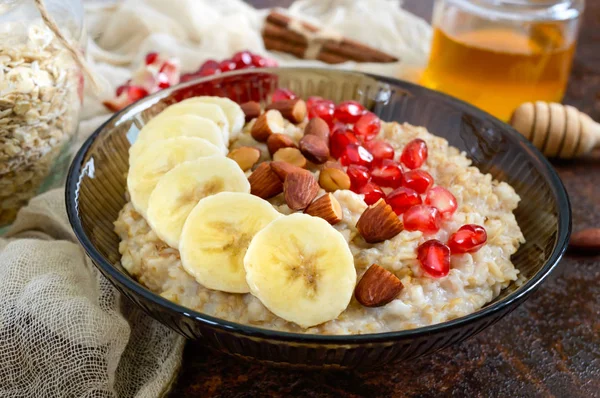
{"points": [[497, 54]]}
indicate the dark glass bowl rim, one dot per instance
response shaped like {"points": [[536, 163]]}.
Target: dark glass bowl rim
{"points": [[557, 187]]}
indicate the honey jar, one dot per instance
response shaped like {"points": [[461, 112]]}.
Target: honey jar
{"points": [[497, 54]]}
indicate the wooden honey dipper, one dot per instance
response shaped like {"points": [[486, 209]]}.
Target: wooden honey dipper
{"points": [[557, 130]]}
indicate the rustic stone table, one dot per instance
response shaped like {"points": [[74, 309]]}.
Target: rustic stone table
{"points": [[550, 346]]}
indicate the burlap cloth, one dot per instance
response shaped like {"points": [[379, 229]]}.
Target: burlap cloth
{"points": [[64, 330]]}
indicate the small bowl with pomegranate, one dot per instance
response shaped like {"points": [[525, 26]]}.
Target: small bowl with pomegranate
{"points": [[296, 228]]}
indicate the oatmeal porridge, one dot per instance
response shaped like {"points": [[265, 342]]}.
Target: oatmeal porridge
{"points": [[364, 227]]}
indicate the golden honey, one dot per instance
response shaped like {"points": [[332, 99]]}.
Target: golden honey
{"points": [[498, 69]]}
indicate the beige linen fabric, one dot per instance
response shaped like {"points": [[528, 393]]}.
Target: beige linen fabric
{"points": [[64, 330]]}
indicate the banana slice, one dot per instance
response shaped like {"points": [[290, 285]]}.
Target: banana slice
{"points": [[158, 158], [191, 107], [216, 235], [179, 190], [235, 114], [176, 126], [301, 269]]}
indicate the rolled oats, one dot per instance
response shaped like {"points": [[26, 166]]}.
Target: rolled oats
{"points": [[39, 107]]}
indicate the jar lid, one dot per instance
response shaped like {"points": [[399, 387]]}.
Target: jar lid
{"points": [[523, 10]]}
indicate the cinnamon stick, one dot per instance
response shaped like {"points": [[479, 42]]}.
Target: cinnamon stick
{"points": [[277, 34]]}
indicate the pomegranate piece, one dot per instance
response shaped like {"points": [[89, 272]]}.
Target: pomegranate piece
{"points": [[282, 94], [209, 68], [122, 88], [387, 174], [323, 109], [367, 126], [312, 100], [227, 65], [422, 218], [151, 58], [443, 200], [348, 111], [414, 154], [380, 149], [258, 61], [468, 239], [419, 180], [135, 93], [434, 258], [372, 193], [402, 199], [356, 154], [359, 176], [339, 139], [242, 59]]}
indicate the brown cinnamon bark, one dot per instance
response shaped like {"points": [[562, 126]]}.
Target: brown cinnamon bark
{"points": [[279, 37]]}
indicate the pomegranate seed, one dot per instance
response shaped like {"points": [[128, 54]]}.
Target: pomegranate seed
{"points": [[414, 154], [151, 58], [468, 239], [443, 200], [282, 94], [163, 81], [123, 87], [188, 76], [171, 71], [380, 149], [401, 199], [135, 93], [270, 63], [359, 176], [227, 65], [339, 139], [258, 61], [434, 257], [372, 193], [367, 126], [209, 68], [323, 109], [419, 180], [387, 174], [242, 59], [312, 100], [422, 218], [348, 111], [356, 154]]}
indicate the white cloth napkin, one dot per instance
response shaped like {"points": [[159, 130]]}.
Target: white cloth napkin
{"points": [[64, 330]]}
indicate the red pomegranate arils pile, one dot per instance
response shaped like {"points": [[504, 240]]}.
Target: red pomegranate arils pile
{"points": [[418, 179], [387, 173], [372, 193], [367, 126], [159, 72], [359, 177], [402, 199], [380, 150], [348, 111]]}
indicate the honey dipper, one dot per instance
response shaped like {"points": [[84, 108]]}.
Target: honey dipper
{"points": [[557, 130]]}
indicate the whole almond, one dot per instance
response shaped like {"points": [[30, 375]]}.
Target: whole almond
{"points": [[293, 110], [282, 169], [277, 141], [327, 207], [290, 155], [379, 222], [315, 149], [245, 156], [299, 189], [251, 110], [317, 126], [264, 183], [333, 178], [270, 122], [377, 287], [586, 241]]}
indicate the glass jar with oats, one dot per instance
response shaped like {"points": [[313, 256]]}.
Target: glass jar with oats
{"points": [[41, 89]]}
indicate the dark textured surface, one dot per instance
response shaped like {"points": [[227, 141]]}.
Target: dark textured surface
{"points": [[550, 346]]}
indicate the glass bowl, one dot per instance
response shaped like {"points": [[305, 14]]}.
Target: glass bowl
{"points": [[96, 186]]}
